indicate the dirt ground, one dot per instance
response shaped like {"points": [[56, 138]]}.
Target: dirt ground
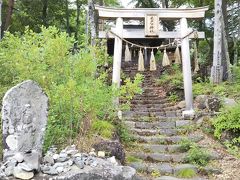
{"points": [[226, 163]]}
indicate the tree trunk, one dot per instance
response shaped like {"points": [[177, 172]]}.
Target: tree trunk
{"points": [[101, 3], [225, 47], [0, 19], [239, 20], [92, 21], [67, 18], [77, 19], [9, 14], [44, 12], [225, 17]]}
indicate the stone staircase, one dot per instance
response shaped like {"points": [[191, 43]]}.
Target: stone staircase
{"points": [[158, 128]]}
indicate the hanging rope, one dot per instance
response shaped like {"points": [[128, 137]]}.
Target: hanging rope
{"points": [[196, 64], [152, 47], [165, 61], [152, 62], [140, 61], [177, 56], [127, 54]]}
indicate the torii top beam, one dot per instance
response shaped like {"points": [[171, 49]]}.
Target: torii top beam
{"points": [[139, 13]]}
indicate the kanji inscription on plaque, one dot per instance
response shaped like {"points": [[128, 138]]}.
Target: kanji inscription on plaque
{"points": [[151, 25]]}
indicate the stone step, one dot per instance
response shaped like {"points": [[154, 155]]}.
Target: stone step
{"points": [[160, 148], [147, 101], [174, 178], [160, 157], [167, 140], [177, 113], [152, 109], [149, 96], [161, 124], [163, 105], [152, 132], [151, 119], [162, 168]]}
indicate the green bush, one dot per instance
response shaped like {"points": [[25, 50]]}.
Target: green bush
{"points": [[228, 120], [103, 128], [185, 144], [172, 77], [197, 156], [74, 83], [186, 173]]}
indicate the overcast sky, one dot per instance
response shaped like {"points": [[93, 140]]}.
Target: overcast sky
{"points": [[125, 3]]}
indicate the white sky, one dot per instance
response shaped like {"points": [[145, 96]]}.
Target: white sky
{"points": [[125, 3]]}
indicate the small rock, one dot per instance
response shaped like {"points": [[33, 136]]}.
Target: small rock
{"points": [[32, 160], [19, 157], [210, 170], [25, 167], [181, 105], [77, 155], [20, 174], [60, 169], [51, 171], [79, 163], [55, 156], [48, 159], [94, 164], [45, 168], [62, 157], [112, 160], [72, 152], [229, 102], [92, 154], [101, 154], [9, 171], [3, 167], [12, 163]]}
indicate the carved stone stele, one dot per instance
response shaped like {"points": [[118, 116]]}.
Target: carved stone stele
{"points": [[24, 118]]}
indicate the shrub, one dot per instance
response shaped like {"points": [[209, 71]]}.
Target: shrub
{"points": [[228, 121], [186, 173], [197, 156], [102, 128], [131, 159], [74, 83], [185, 144]]}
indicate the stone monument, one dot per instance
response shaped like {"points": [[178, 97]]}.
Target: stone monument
{"points": [[24, 119]]}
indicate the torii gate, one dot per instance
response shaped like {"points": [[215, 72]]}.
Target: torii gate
{"points": [[119, 14]]}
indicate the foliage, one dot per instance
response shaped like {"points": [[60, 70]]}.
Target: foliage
{"points": [[232, 149], [159, 56], [197, 156], [186, 173], [155, 173], [228, 120], [102, 128], [129, 89], [185, 144], [78, 95], [47, 13], [173, 97], [124, 133], [131, 159], [172, 77]]}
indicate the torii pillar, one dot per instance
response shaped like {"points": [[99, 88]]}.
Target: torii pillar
{"points": [[186, 66], [116, 79]]}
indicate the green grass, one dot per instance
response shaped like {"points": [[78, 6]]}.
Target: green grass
{"points": [[186, 173], [103, 128], [131, 159]]}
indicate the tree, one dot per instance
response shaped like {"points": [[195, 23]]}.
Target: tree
{"points": [[9, 14]]}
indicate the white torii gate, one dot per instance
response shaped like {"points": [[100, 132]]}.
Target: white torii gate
{"points": [[119, 14]]}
